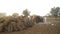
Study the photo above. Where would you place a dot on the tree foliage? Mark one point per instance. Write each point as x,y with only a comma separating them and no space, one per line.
15,14
26,12
55,11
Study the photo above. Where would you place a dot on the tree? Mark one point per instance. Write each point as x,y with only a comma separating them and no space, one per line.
15,14
55,11
26,12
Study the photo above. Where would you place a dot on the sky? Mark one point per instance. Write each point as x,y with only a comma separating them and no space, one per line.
38,7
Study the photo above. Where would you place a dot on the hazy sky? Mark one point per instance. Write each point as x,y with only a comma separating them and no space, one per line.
39,7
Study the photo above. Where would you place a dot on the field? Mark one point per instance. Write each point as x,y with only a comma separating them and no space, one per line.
40,28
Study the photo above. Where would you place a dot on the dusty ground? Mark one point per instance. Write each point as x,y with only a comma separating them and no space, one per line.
39,29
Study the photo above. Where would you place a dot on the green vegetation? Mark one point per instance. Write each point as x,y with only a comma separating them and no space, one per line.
55,12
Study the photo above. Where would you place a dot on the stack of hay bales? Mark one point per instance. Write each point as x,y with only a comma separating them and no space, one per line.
10,23
37,19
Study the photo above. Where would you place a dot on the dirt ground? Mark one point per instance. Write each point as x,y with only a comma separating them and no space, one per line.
39,29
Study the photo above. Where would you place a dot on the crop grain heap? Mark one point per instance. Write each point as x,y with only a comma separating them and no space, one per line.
10,23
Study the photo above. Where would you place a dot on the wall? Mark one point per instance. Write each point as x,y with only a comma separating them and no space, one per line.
52,19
